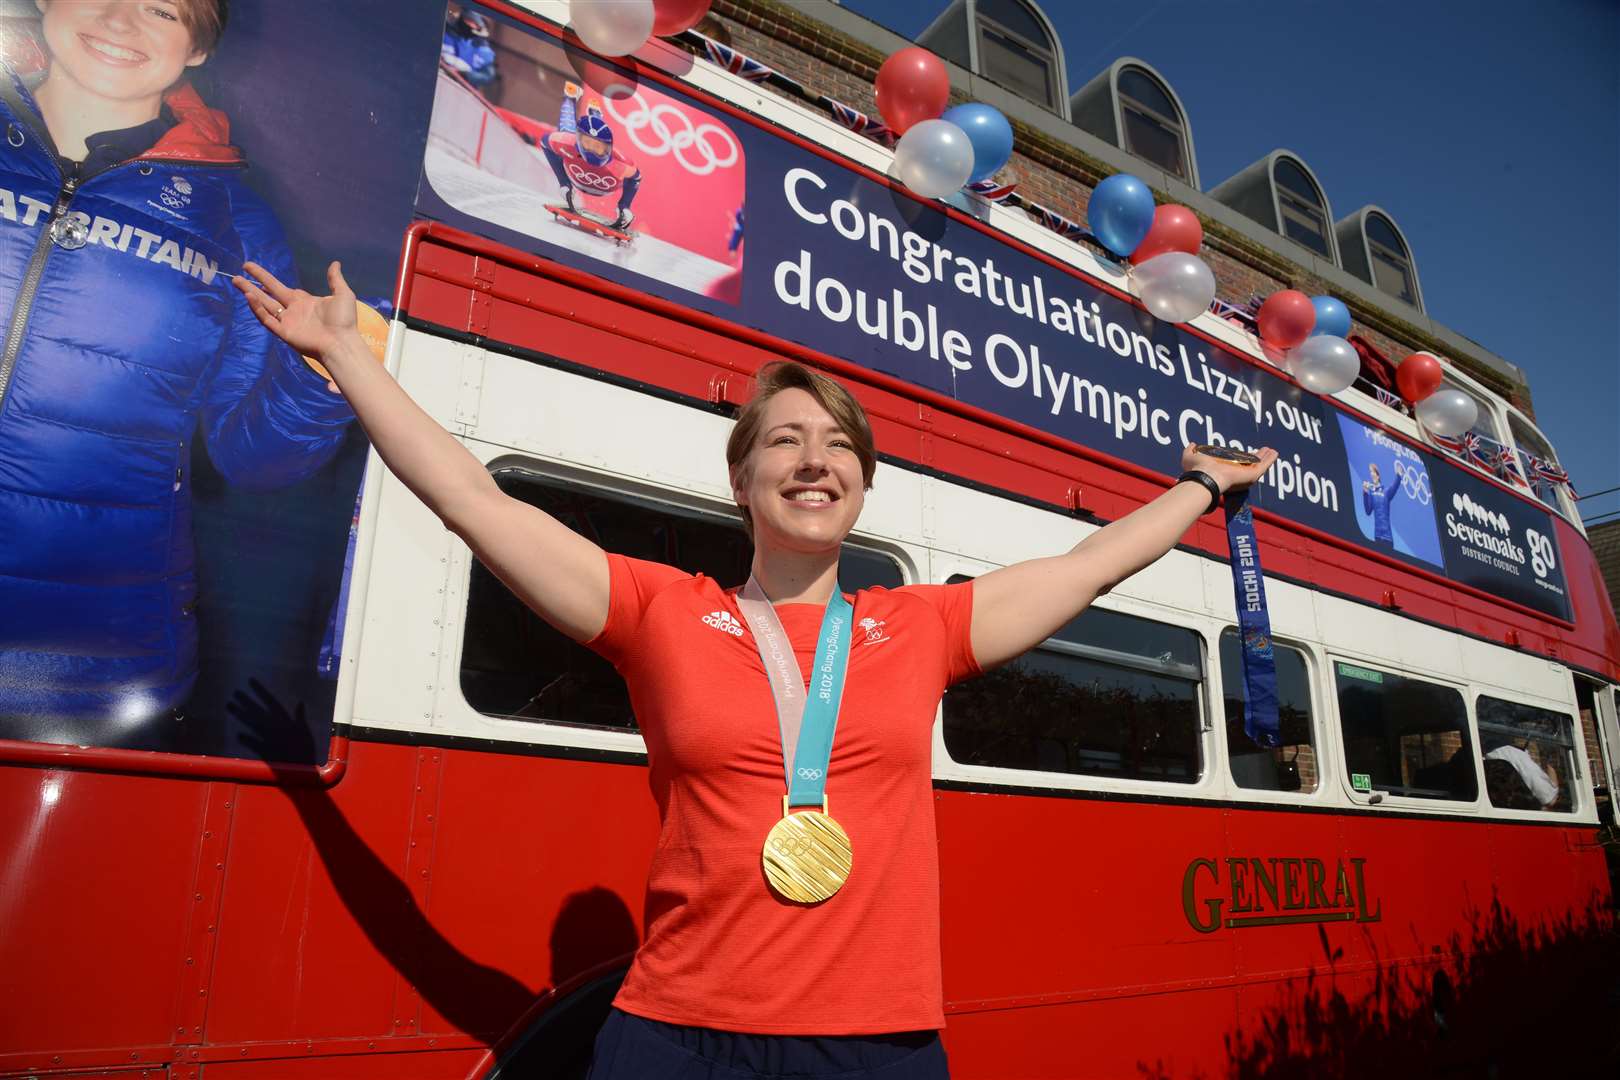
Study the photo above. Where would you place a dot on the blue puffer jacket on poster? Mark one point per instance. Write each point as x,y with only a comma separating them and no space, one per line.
123,342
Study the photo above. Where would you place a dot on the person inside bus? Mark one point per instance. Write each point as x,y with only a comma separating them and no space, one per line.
733,980
1515,779
128,213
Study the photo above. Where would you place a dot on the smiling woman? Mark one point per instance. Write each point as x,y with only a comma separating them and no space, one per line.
123,346
750,851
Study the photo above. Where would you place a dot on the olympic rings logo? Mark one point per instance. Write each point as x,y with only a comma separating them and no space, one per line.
796,847
591,180
809,774
699,149
1416,485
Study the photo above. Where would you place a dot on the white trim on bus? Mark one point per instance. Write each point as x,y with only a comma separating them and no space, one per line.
408,613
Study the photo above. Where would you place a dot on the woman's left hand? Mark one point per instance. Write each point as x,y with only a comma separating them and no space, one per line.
1230,475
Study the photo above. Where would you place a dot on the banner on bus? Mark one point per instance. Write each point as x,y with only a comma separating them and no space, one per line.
787,241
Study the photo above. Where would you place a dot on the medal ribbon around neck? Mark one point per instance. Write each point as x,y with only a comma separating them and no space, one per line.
807,855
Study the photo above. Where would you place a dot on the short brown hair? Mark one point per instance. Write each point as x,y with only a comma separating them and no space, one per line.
205,19
780,375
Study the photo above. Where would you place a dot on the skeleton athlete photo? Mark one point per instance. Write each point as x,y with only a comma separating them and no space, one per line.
599,183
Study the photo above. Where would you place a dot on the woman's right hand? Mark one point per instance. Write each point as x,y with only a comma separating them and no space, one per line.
314,325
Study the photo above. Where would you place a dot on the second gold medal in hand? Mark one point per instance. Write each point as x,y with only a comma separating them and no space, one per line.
807,855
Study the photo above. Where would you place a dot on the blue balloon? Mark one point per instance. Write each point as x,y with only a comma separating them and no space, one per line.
989,134
1120,213
1332,317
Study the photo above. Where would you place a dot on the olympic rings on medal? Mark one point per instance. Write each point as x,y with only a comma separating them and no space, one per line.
809,774
697,140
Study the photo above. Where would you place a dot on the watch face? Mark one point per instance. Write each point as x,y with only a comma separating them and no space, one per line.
1226,453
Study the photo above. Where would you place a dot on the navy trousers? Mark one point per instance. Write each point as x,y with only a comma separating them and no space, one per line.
635,1048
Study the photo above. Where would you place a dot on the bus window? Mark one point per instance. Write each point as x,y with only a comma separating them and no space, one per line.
1404,736
1529,755
1291,766
1107,695
516,667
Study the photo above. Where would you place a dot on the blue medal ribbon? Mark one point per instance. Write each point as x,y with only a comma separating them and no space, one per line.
1260,720
807,779
808,716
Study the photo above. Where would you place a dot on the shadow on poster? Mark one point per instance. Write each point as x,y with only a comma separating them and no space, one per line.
177,488
1392,493
573,153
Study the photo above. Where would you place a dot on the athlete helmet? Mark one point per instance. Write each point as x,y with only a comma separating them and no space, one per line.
592,126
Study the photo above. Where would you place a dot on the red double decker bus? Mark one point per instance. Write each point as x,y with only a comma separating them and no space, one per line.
399,827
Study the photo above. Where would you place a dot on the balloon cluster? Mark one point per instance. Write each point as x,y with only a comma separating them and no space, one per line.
1444,411
1309,334
620,27
1161,242
939,150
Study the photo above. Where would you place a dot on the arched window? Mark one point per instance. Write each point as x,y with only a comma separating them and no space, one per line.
1302,211
1372,248
1152,125
1017,50
1391,265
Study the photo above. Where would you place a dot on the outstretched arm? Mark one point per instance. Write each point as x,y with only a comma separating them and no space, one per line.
556,571
1019,606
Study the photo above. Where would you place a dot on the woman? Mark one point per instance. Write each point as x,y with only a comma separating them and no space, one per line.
124,213
734,979
1376,501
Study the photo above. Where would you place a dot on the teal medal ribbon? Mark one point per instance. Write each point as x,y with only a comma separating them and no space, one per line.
808,717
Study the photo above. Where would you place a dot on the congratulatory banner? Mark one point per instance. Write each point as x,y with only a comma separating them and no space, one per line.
855,269
810,251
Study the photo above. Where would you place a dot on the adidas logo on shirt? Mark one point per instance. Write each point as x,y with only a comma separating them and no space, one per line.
722,620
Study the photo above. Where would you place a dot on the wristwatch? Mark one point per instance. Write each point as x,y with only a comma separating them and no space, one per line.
1199,476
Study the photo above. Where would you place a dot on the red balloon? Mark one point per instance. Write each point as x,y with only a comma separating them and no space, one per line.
912,86
1418,376
671,17
1175,228
1286,318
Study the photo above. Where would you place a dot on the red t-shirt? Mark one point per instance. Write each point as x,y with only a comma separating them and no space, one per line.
722,950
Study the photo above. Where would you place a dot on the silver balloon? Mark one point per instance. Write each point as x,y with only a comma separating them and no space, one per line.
1447,412
1325,364
612,27
934,158
1175,286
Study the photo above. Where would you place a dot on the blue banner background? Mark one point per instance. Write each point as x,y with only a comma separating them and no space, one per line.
856,269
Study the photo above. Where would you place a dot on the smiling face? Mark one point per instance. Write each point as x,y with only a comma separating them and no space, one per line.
802,481
123,51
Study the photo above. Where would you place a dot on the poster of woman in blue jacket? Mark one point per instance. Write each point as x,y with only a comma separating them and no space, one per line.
131,375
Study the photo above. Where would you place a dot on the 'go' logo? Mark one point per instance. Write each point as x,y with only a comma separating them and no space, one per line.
1541,552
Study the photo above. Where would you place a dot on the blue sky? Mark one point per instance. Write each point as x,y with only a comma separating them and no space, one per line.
1490,130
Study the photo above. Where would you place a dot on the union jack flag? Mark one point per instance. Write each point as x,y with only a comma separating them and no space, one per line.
1544,474
859,122
992,190
1394,401
735,62
1474,448
1242,314
1058,223
1450,444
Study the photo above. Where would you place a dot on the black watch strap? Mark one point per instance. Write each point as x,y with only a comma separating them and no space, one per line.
1198,476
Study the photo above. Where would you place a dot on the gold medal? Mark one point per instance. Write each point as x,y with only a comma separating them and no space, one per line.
807,855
